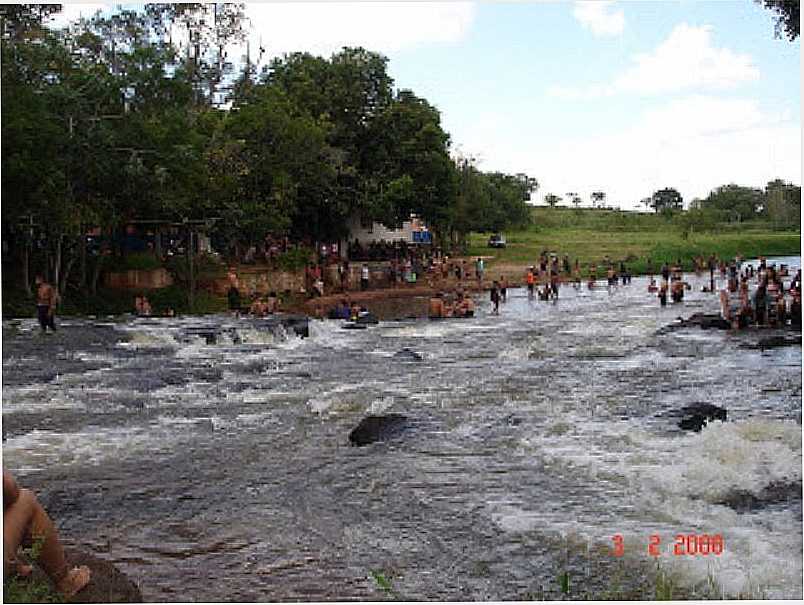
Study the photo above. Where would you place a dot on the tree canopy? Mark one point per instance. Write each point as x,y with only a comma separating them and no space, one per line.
147,114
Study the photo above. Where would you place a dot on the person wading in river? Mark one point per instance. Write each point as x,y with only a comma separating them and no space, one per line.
495,297
46,299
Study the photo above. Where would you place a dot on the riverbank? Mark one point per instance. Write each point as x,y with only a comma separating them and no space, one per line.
636,246
619,242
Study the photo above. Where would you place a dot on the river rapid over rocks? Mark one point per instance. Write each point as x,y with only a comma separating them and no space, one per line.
224,471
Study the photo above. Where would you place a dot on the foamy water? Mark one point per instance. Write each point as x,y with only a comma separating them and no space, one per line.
550,422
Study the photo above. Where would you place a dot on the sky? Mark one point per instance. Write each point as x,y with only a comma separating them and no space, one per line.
620,97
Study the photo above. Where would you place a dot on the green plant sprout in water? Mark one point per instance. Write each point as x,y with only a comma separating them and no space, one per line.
564,582
383,583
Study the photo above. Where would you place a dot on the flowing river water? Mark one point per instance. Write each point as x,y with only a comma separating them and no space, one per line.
221,472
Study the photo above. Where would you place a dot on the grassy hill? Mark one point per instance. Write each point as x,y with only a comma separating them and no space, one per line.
591,234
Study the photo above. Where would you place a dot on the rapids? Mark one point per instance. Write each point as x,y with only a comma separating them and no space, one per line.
221,472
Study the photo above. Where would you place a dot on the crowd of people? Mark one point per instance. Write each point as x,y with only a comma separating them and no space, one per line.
770,304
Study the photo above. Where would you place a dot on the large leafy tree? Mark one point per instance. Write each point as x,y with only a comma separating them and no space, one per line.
782,204
666,200
735,201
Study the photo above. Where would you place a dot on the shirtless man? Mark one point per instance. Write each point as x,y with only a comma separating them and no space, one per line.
46,298
436,309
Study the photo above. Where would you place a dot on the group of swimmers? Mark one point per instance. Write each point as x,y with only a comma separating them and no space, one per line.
551,271
458,305
263,306
672,282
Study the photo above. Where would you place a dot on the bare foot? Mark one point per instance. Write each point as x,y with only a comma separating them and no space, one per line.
75,580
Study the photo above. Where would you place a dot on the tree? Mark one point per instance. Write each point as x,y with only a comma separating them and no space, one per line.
598,198
666,200
552,199
574,198
738,202
782,204
788,17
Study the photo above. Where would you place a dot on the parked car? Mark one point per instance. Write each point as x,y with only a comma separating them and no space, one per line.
497,241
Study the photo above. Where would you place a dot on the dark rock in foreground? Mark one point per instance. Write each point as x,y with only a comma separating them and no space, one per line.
378,428
776,492
407,354
107,584
694,417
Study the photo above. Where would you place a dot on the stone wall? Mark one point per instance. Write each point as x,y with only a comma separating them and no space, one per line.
139,279
262,282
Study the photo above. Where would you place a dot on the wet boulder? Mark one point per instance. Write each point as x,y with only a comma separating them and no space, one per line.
705,321
773,342
776,492
407,354
367,319
378,428
694,417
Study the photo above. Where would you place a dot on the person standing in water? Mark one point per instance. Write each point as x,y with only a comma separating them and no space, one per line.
531,280
495,297
479,268
503,288
46,299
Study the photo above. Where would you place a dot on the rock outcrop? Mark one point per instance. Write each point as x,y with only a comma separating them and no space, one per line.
378,428
694,417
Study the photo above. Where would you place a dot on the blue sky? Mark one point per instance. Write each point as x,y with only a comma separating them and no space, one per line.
622,97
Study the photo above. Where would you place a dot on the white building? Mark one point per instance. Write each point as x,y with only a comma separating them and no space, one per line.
413,231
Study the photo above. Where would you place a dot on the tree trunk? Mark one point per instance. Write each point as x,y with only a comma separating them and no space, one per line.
82,242
57,261
190,255
66,275
46,270
26,277
96,272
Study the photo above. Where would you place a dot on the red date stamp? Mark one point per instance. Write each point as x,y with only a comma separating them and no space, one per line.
683,545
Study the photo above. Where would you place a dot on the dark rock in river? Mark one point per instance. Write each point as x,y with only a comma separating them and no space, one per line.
407,354
702,320
776,492
378,428
367,318
107,584
772,343
694,417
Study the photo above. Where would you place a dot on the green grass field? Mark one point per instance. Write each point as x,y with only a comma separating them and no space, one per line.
591,235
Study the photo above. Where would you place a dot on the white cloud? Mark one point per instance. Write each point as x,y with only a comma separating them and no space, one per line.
686,60
325,27
596,17
75,10
693,144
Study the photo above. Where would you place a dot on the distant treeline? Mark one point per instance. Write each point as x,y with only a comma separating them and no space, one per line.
144,115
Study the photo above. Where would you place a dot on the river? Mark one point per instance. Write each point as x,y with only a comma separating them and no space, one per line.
223,472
